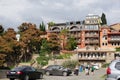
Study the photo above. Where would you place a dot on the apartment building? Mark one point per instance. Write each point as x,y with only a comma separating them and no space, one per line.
96,43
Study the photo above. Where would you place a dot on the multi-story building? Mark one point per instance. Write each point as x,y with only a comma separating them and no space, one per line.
96,43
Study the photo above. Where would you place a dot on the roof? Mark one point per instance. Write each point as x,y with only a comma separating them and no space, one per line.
115,26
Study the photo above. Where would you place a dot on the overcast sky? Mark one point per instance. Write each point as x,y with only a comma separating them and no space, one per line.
15,12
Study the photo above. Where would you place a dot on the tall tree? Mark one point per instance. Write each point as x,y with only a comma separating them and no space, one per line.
63,35
53,42
31,39
103,19
71,44
42,27
1,29
8,41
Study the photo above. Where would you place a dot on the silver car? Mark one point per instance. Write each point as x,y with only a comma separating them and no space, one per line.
113,71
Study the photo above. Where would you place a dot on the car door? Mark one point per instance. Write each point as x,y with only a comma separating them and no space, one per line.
36,73
30,73
57,70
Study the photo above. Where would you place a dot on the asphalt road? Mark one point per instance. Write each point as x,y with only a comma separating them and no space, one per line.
97,76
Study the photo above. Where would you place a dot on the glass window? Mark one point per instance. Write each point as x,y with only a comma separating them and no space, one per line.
117,65
104,31
103,44
106,44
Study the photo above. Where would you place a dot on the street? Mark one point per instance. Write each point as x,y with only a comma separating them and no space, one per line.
97,76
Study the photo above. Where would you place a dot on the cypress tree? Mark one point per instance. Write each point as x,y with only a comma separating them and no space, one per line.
103,18
42,26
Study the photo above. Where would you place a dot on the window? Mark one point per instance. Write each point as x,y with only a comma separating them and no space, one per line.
117,65
104,31
103,44
106,44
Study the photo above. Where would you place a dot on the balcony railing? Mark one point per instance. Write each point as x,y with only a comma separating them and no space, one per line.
114,40
88,58
92,41
91,35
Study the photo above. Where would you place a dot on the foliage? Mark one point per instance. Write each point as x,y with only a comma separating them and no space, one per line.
103,18
42,27
105,65
71,44
51,24
42,60
1,29
54,43
66,55
70,64
63,36
117,48
63,56
14,51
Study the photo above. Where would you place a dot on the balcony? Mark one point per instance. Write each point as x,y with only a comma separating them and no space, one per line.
74,35
91,41
92,58
92,35
114,39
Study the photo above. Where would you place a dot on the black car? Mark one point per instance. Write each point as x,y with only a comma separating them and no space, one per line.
57,70
24,73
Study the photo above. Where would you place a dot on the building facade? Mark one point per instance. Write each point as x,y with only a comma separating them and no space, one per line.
95,43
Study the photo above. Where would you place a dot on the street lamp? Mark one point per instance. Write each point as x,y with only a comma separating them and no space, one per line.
18,37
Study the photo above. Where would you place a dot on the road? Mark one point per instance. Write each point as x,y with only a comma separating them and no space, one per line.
97,76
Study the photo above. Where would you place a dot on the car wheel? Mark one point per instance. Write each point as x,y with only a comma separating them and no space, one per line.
64,73
47,73
12,79
26,77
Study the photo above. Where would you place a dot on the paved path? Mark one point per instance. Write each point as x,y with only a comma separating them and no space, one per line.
97,76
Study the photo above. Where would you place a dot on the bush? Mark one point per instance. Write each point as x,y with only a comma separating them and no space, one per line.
70,64
42,60
105,65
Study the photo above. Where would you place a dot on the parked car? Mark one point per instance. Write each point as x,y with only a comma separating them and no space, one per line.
24,73
57,70
96,66
113,71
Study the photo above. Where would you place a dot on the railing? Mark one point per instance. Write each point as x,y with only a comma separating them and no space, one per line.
92,41
91,35
114,40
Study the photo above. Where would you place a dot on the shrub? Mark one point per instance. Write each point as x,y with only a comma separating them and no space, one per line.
105,65
70,64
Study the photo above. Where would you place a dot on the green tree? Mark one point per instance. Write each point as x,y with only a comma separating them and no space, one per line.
103,19
51,24
71,44
1,29
118,49
63,35
42,27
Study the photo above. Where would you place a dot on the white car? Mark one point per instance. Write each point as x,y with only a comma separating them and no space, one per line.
96,66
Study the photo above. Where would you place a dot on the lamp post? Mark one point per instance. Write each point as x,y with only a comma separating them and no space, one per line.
18,37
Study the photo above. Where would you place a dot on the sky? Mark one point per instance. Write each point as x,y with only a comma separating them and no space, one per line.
14,12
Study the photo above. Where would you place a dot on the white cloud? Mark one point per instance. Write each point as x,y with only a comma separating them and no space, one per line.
14,12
